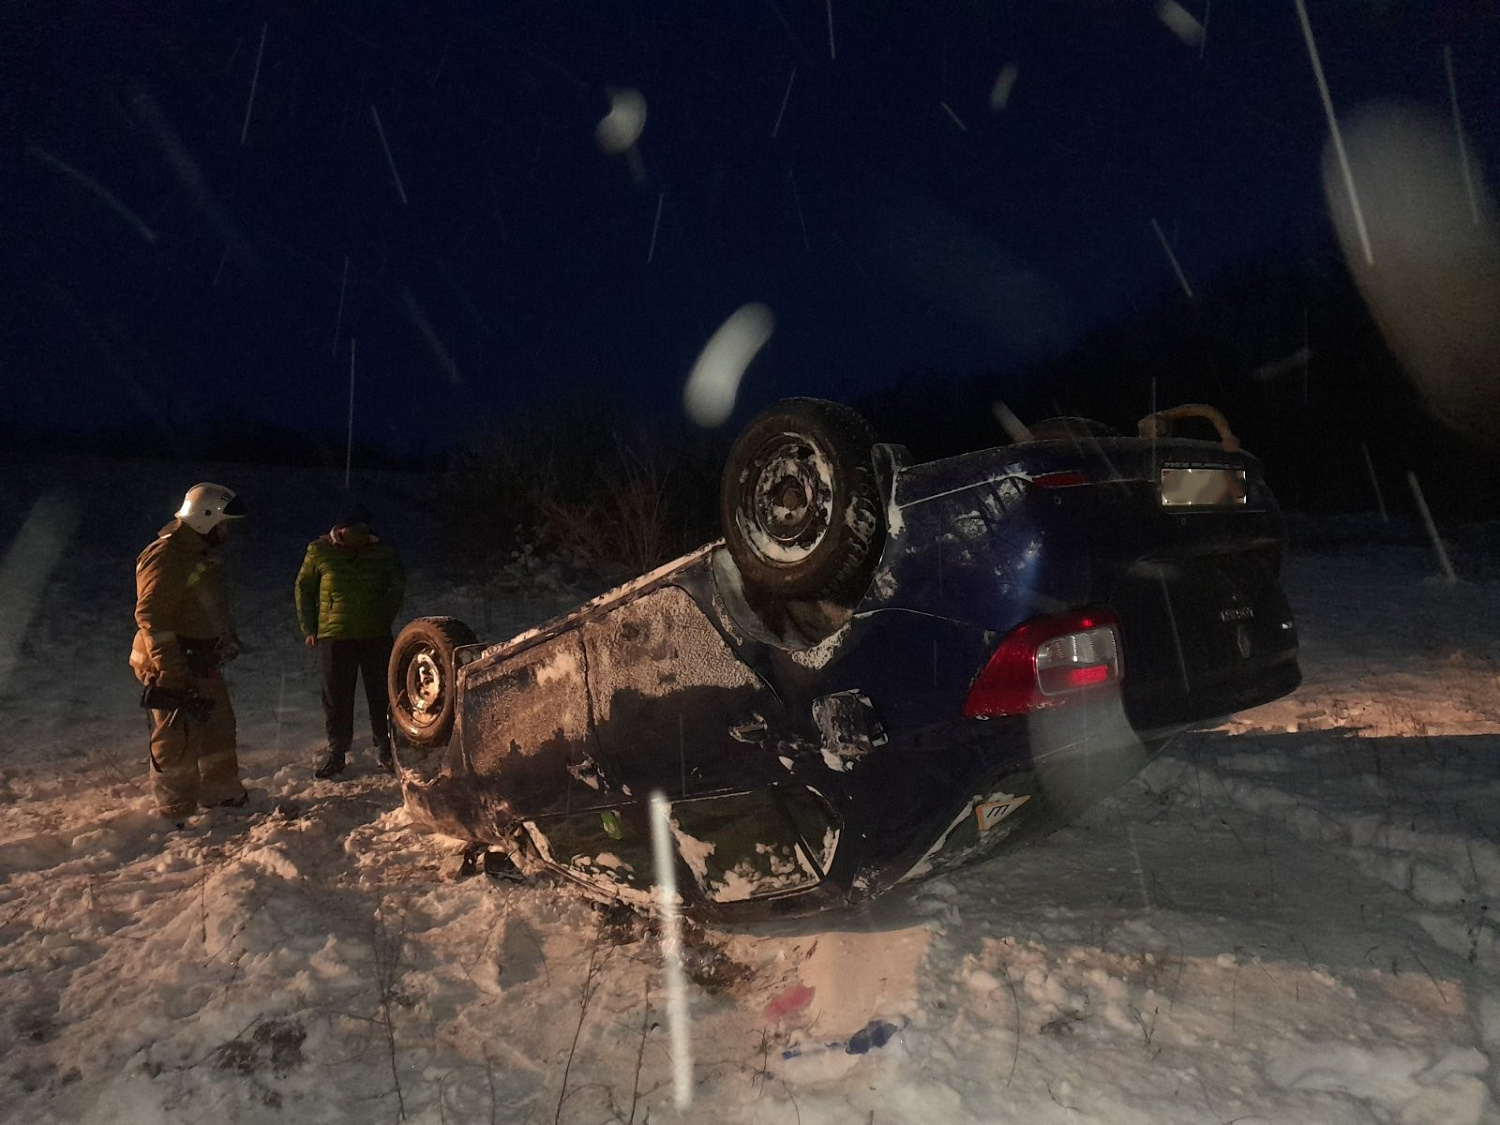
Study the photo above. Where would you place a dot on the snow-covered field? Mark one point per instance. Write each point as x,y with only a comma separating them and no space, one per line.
1283,920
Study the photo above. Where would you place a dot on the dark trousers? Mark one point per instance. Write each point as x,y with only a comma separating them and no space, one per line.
343,661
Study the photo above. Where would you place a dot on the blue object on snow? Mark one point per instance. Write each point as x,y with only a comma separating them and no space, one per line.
876,1033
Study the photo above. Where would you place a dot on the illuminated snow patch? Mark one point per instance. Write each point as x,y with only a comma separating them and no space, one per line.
830,847
26,570
715,379
273,861
563,666
694,852
832,760
623,124
895,522
923,866
822,652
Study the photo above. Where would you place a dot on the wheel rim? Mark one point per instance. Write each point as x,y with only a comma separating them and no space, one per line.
424,687
791,503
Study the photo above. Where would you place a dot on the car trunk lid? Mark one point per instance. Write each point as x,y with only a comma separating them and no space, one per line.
1180,538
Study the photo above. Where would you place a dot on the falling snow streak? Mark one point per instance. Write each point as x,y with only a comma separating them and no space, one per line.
1375,483
189,173
349,445
148,403
1140,872
831,53
254,82
424,326
536,157
224,257
1014,428
234,54
651,251
1171,257
678,1029
27,568
389,159
98,190
949,111
338,321
1182,668
1458,128
1432,531
1333,129
464,299
791,178
786,97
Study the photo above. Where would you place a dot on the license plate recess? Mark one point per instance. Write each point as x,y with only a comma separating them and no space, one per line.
1193,486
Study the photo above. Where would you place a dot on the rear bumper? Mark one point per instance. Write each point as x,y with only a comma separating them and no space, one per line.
1165,704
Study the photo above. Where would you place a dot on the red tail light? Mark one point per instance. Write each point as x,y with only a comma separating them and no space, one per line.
1059,480
1045,662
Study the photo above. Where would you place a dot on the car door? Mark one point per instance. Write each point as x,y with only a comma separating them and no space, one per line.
527,731
675,708
678,711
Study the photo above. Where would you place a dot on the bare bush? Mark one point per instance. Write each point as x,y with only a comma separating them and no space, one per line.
580,484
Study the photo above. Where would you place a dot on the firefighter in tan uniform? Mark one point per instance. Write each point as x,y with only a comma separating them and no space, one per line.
184,634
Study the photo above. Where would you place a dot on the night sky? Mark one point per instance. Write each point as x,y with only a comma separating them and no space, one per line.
205,204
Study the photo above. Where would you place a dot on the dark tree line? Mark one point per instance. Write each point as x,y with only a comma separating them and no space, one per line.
1288,352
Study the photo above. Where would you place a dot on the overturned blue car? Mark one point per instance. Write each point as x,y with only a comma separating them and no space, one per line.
883,670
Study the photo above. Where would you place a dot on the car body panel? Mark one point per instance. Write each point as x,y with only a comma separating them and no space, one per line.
821,757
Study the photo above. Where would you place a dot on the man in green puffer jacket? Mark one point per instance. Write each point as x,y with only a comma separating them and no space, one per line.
348,593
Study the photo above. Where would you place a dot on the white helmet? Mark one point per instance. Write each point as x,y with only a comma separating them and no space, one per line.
207,505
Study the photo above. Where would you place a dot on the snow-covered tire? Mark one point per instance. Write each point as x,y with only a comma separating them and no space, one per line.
423,676
800,504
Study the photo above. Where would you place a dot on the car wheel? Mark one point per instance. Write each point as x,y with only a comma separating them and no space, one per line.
800,504
422,676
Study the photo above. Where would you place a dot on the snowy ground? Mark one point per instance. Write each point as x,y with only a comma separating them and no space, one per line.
1284,920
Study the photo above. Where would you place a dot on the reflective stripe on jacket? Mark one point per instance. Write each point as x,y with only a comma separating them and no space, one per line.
180,592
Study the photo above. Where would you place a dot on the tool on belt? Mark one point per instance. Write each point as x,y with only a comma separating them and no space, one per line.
195,707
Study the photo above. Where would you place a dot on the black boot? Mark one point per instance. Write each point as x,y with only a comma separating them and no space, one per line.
332,766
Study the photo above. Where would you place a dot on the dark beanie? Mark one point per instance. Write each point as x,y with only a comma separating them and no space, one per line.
351,514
